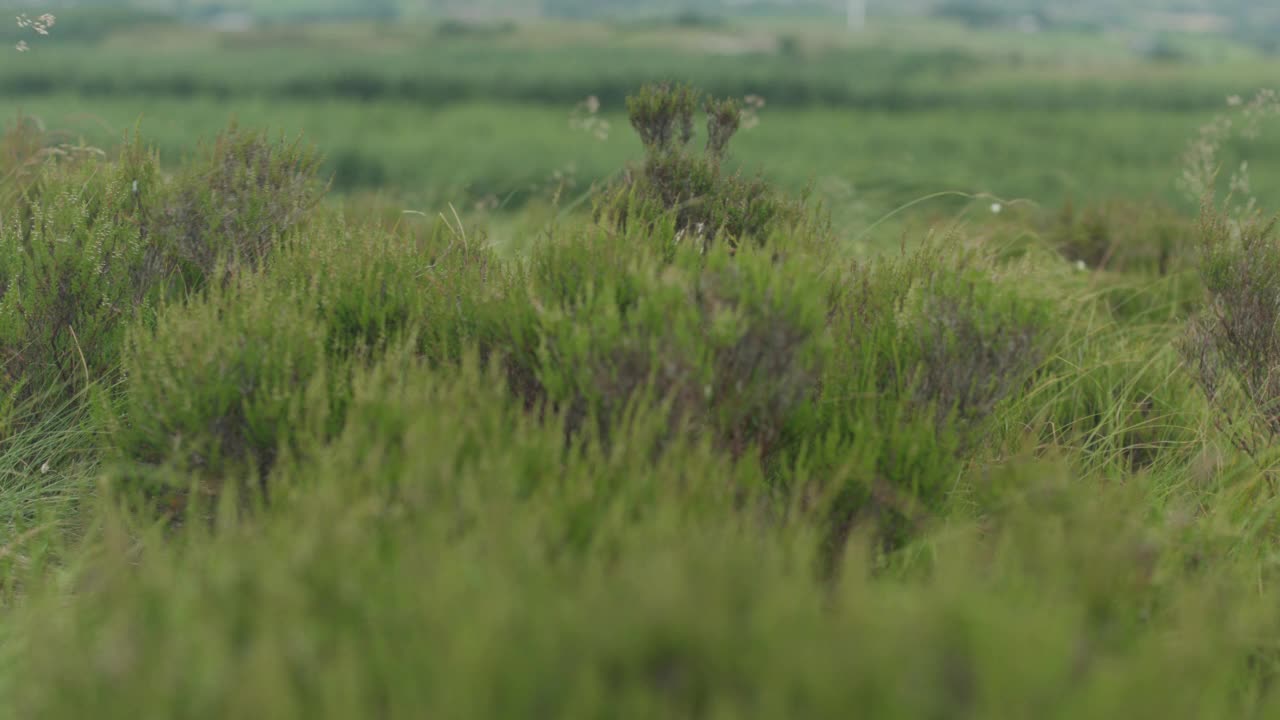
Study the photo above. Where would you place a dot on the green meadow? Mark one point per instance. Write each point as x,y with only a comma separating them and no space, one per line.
541,369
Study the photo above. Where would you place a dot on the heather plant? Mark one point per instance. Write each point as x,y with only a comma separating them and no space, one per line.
235,205
264,359
1233,346
705,200
90,247
939,327
871,390
443,288
218,389
75,269
977,343
927,346
734,344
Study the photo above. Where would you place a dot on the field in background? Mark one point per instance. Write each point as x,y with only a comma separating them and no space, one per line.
478,114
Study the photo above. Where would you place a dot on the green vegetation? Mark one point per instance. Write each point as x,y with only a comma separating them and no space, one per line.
872,122
930,397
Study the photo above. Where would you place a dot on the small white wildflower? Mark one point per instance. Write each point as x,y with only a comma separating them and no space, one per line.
22,46
585,117
44,469
1235,101
135,187
749,117
1081,266
996,208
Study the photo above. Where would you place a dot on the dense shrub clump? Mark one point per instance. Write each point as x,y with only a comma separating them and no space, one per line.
91,247
705,201
1233,347
74,270
735,345
927,346
235,205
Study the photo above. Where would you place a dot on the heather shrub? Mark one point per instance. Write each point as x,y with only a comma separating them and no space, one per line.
937,329
927,347
75,269
260,364
370,287
738,349
236,204
734,344
90,246
219,387
704,200
864,393
1233,347
976,344
417,436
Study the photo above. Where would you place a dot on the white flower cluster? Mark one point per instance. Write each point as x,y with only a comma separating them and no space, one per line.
586,118
39,26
